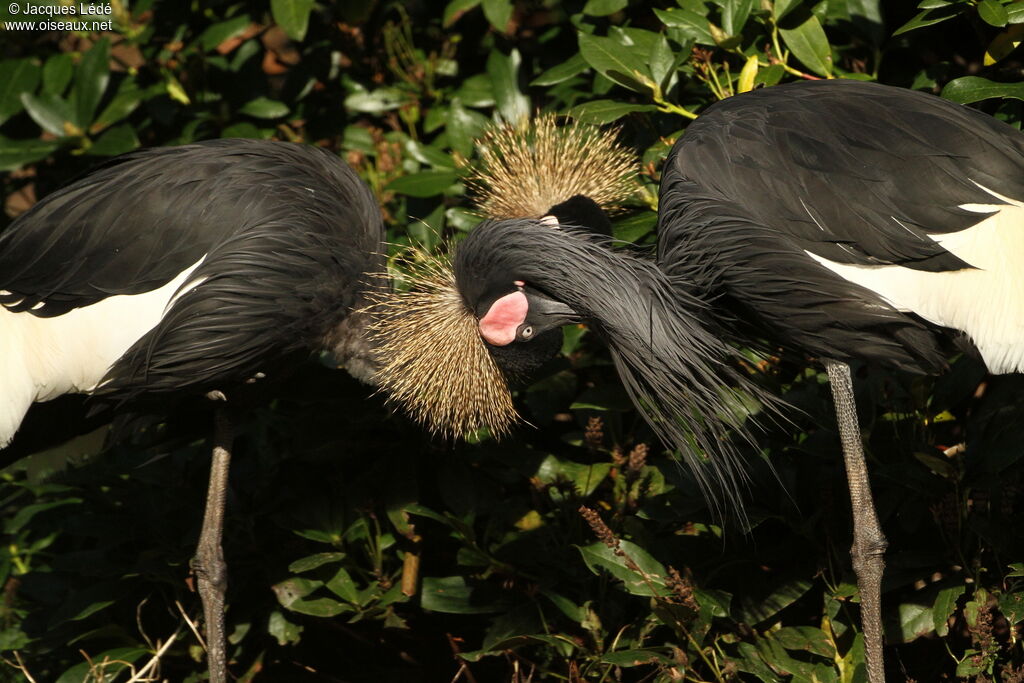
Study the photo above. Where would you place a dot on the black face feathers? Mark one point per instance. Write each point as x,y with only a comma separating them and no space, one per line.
672,364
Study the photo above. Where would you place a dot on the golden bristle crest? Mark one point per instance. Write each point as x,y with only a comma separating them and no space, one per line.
527,168
433,361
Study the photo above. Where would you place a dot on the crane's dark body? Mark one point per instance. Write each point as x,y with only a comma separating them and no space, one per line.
818,214
288,236
856,173
239,254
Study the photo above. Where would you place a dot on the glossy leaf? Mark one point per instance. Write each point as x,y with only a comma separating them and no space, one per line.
804,35
17,153
114,141
451,595
503,69
498,13
91,79
292,16
624,65
57,72
601,8
993,13
968,89
20,76
606,111
424,183
647,577
264,108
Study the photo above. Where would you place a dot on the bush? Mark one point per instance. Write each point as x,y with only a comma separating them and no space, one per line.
359,548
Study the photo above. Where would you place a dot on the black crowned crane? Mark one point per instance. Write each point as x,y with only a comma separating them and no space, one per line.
845,220
189,270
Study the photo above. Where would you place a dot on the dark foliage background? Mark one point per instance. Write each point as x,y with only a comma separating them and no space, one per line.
362,550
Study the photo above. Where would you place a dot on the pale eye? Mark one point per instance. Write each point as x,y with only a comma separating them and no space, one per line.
526,332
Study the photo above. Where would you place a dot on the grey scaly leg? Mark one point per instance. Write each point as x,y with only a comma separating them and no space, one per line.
208,565
868,541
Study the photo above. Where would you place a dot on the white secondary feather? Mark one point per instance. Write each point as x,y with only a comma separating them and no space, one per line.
43,358
986,302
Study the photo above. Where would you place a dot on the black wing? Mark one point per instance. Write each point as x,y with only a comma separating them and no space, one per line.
286,234
853,172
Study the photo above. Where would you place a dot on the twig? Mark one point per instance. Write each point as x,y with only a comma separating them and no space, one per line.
191,624
138,677
20,666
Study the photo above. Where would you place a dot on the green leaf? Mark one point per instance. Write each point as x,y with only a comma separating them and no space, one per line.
944,607
215,34
639,657
583,477
780,8
455,9
476,91
91,79
114,141
573,66
806,639
17,153
735,14
292,16
427,154
602,8
376,101
293,589
647,578
264,108
626,65
755,609
927,18
1011,605
605,111
634,227
451,595
807,40
1015,12
26,513
49,111
916,621
498,13
342,585
993,13
693,25
124,102
424,183
57,73
464,127
313,561
319,607
512,104
283,630
970,89
20,76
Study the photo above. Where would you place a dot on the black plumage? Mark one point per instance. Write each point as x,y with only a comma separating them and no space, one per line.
288,236
276,249
662,339
854,172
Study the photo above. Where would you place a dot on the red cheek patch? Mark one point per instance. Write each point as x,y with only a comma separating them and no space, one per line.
499,325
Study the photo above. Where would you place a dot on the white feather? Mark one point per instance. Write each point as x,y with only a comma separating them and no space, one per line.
986,302
43,358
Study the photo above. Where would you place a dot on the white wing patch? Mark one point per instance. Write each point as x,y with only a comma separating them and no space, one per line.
986,301
43,358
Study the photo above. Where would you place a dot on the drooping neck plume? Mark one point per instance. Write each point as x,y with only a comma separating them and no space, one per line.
672,364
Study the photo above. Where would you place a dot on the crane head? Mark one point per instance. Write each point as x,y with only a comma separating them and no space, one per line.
526,168
453,343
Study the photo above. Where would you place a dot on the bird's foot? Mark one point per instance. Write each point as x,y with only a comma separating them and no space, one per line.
216,395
